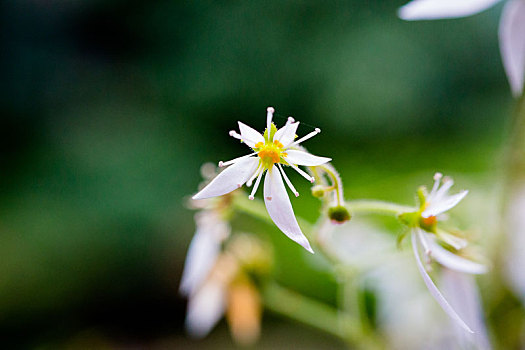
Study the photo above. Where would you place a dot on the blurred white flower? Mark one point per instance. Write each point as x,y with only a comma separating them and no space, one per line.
515,242
423,224
207,304
228,289
511,29
275,147
204,249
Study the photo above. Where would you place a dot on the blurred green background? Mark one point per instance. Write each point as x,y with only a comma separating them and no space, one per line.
109,108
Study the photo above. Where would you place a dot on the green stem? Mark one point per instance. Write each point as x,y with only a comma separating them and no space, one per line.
310,312
377,207
515,158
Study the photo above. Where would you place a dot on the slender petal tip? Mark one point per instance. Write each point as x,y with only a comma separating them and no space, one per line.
232,133
317,130
270,110
437,176
291,120
296,194
221,164
251,198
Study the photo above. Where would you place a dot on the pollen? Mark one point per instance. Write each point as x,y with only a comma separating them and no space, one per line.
269,156
270,152
430,221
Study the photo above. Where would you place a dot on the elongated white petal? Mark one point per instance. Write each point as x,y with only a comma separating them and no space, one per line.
436,9
229,179
452,261
201,257
280,209
203,250
440,206
286,134
249,135
304,158
512,43
205,308
462,293
434,291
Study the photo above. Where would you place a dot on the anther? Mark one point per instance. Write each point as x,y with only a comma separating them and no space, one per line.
221,164
270,110
438,176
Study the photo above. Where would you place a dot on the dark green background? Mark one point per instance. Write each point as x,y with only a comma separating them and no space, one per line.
110,107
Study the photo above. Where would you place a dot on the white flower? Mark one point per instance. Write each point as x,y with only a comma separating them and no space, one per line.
424,234
270,152
511,29
204,249
208,303
229,289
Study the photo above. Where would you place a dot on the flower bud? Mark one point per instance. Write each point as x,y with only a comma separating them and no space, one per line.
338,214
318,191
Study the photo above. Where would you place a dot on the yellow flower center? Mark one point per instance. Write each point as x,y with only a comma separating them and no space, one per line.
270,153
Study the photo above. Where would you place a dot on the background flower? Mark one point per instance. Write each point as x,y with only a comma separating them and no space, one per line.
511,30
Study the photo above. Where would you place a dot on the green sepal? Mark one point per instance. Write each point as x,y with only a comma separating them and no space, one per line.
422,196
410,219
273,130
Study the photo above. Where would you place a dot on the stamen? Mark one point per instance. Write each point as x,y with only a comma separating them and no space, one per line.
288,182
269,117
290,120
251,196
306,137
303,174
249,182
235,160
437,180
424,242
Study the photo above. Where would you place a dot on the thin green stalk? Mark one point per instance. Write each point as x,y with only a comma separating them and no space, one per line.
377,207
515,153
310,312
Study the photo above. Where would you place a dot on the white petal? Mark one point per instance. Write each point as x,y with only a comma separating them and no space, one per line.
205,308
436,9
452,261
250,136
463,295
229,179
280,209
454,241
203,251
201,257
512,43
305,158
440,206
286,134
434,291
